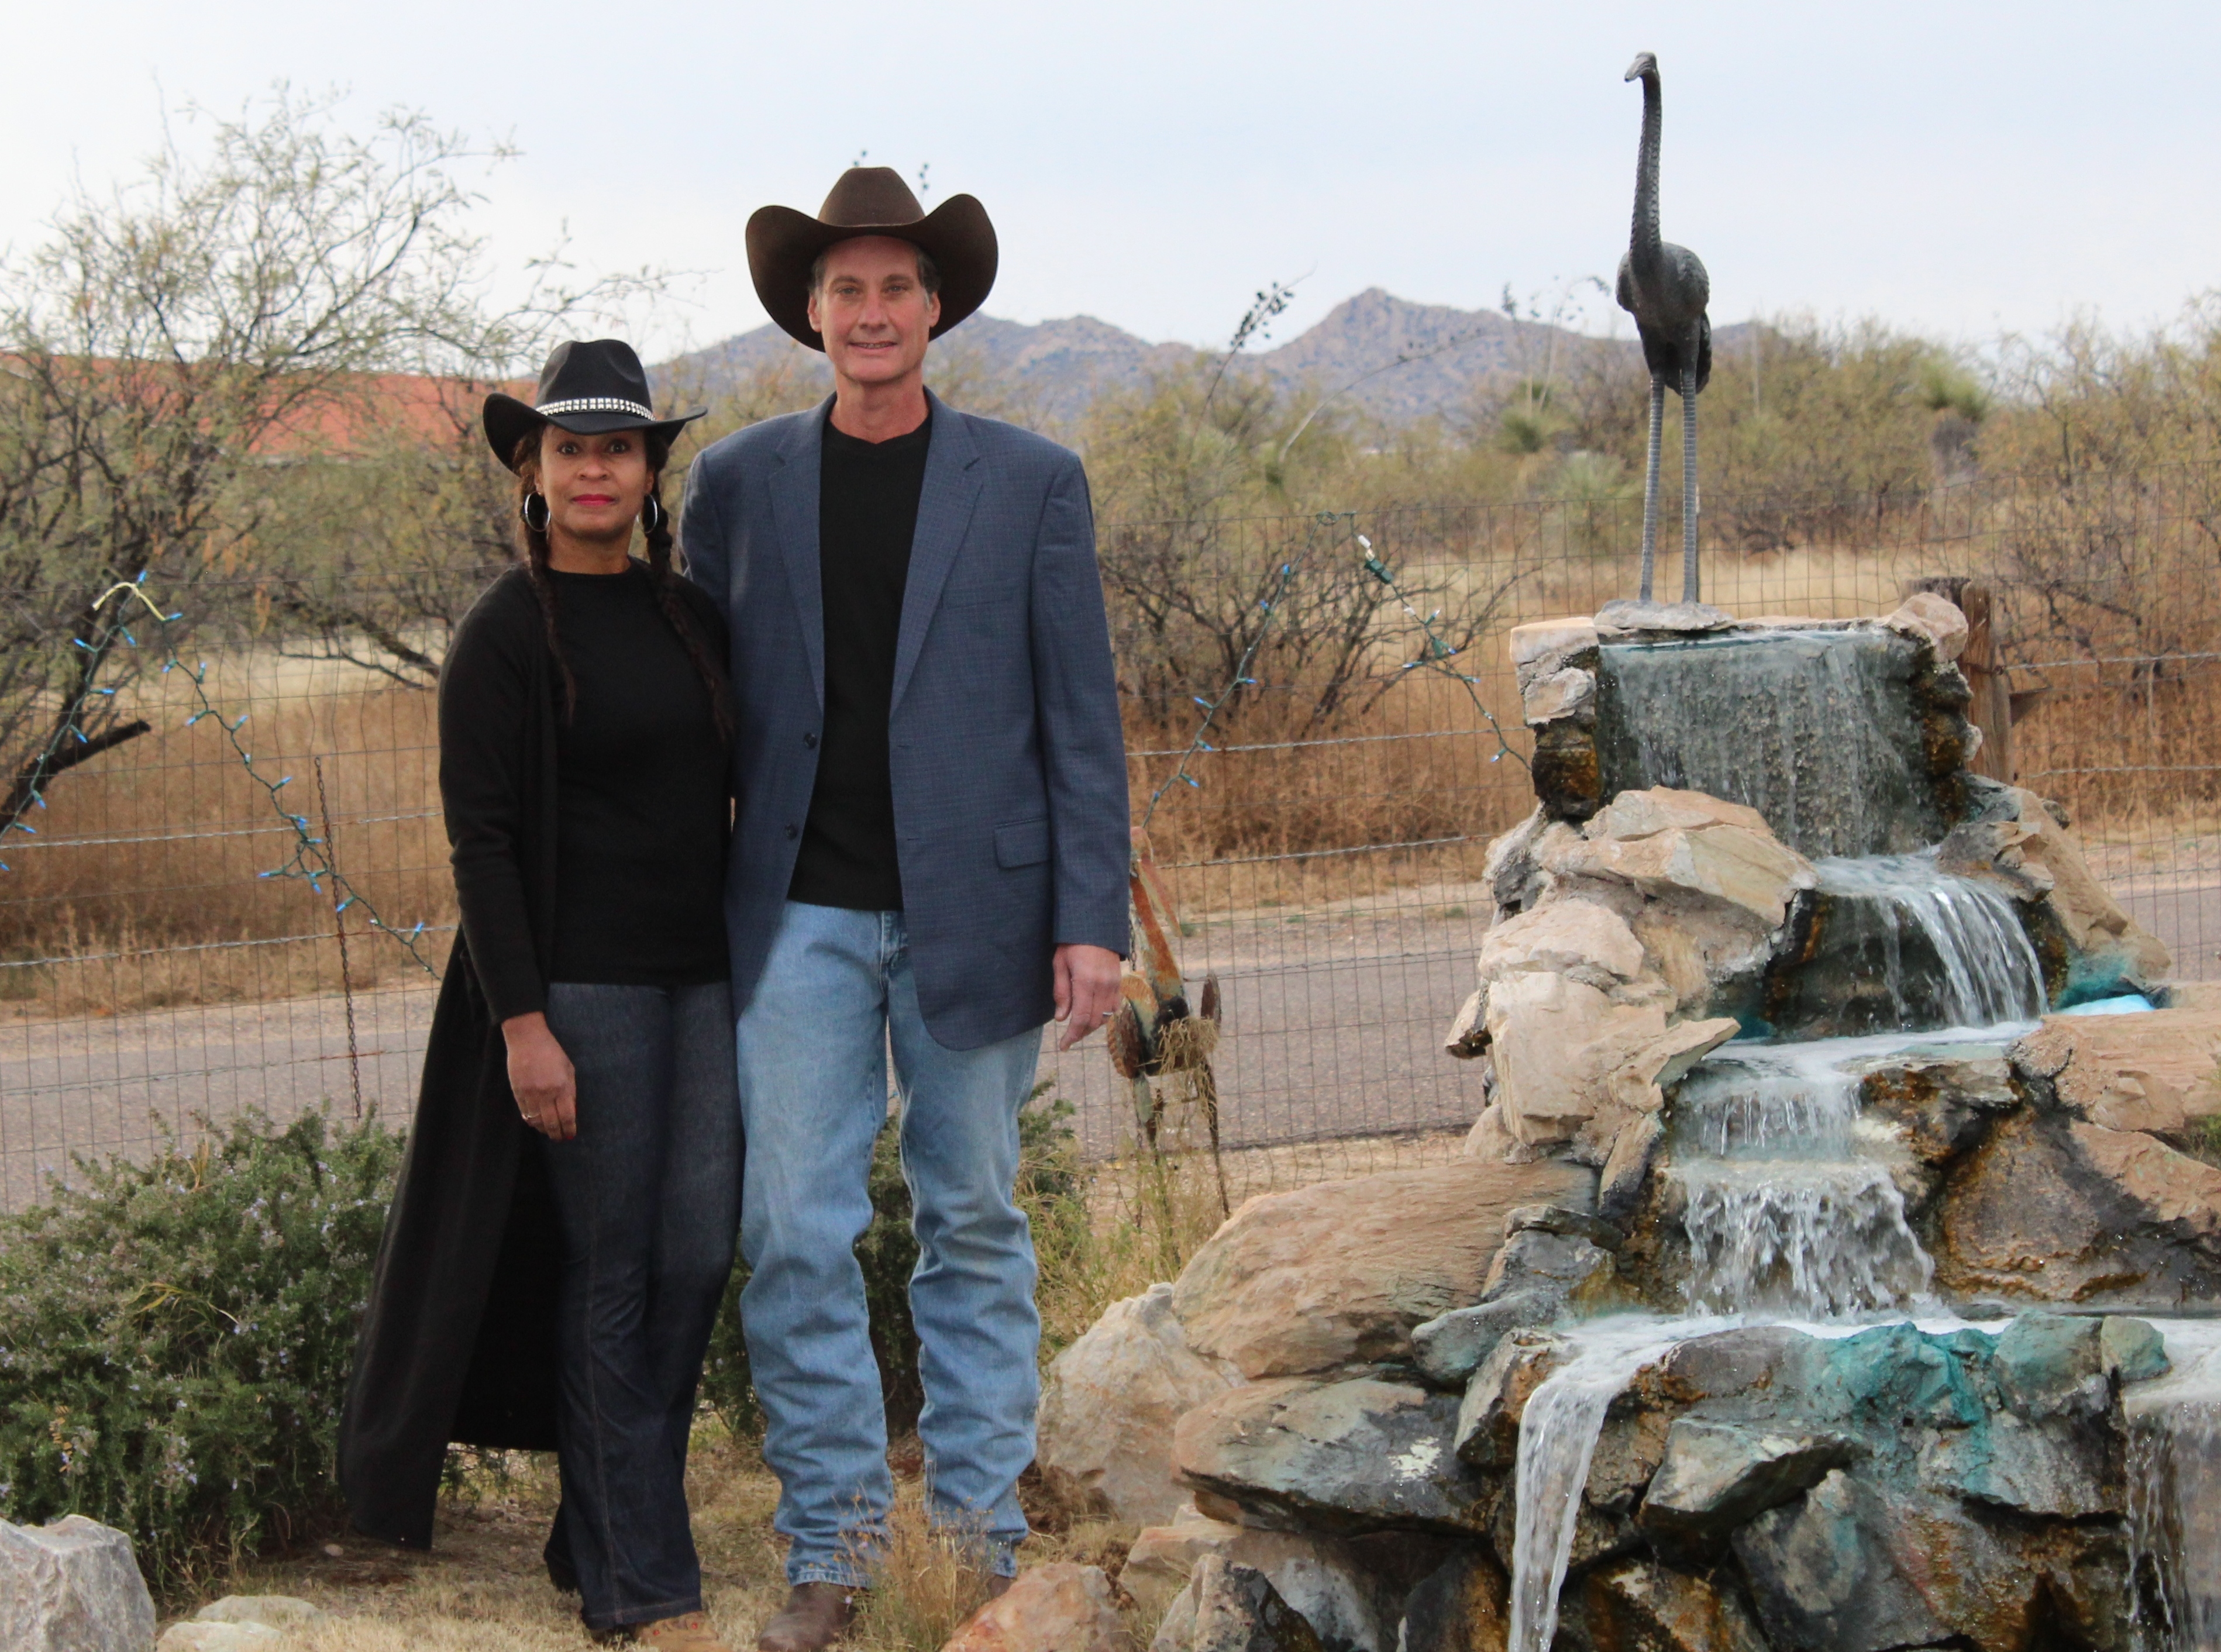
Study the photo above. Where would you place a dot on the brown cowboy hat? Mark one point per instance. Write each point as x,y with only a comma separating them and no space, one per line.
871,200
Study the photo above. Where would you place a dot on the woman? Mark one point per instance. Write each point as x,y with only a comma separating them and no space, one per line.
564,1224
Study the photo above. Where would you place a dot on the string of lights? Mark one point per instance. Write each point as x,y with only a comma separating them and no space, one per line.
1437,653
1242,679
311,861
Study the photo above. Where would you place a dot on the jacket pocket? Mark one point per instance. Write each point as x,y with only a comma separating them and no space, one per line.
1022,843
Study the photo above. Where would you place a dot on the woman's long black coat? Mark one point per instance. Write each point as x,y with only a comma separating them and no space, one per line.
457,1343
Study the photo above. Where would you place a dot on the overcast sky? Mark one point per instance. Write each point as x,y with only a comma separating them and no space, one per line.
1962,168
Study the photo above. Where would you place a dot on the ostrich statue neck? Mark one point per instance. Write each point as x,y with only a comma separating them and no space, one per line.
1644,246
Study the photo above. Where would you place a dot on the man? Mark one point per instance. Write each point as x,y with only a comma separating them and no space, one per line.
930,856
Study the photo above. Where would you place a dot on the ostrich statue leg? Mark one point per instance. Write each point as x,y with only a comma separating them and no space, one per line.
1688,479
1650,481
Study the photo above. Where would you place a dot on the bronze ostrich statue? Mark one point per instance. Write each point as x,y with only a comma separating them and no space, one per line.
1665,288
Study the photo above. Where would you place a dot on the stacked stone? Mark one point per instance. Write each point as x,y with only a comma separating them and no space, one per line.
1350,1485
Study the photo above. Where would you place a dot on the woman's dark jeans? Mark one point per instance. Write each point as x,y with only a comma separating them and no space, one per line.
647,1196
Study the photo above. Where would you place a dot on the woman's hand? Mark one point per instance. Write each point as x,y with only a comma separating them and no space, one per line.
540,1077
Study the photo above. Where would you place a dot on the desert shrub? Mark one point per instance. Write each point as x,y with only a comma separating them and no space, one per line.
2202,1139
1050,1190
176,1337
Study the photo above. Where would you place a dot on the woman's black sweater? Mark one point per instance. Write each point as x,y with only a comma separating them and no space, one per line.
642,790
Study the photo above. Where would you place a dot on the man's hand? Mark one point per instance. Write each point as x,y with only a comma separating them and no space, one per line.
540,1077
1086,990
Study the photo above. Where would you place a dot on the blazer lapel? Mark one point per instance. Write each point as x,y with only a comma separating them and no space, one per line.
794,493
951,487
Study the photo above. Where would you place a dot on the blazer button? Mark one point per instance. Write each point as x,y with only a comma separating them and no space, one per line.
810,740
792,830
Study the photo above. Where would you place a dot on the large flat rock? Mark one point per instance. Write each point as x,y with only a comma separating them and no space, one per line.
1353,1456
1342,1273
2151,1072
1109,1404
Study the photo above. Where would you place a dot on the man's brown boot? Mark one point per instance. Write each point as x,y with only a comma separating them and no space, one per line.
689,1632
816,1615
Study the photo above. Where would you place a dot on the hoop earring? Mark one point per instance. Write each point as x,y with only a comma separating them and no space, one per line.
524,512
652,515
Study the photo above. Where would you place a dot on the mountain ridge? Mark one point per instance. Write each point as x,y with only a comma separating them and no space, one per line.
1062,364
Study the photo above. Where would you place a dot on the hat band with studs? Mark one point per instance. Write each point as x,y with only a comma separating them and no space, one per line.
594,404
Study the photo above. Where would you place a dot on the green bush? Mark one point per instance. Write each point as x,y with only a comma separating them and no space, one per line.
176,1336
1050,1190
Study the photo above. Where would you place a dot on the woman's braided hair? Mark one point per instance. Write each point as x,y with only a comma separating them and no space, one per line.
663,578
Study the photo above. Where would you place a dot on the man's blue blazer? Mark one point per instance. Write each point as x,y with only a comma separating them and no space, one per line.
1008,758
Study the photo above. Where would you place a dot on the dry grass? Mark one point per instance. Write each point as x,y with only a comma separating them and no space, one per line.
1151,1212
143,886
483,1587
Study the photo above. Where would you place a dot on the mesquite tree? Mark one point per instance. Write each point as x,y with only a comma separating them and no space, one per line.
181,355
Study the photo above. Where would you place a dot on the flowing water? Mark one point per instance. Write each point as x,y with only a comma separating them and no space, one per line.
1948,951
1816,731
1787,1216
1784,1213
1558,1435
2174,1492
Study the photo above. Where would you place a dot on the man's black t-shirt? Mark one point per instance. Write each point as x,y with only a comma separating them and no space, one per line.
867,516
642,790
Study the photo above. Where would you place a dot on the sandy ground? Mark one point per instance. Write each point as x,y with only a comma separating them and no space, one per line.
484,1589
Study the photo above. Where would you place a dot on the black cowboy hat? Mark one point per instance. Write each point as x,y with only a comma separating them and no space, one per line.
871,200
588,388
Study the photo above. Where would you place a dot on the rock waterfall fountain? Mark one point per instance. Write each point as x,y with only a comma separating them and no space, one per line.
1843,1259
1789,1207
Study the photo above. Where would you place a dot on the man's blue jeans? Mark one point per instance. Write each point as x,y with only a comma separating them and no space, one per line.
646,1196
835,994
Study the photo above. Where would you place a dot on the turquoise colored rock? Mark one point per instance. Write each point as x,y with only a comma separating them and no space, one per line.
1898,1372
2059,1470
2133,1351
2053,1363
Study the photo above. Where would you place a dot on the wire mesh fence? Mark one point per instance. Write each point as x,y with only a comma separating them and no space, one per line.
1310,740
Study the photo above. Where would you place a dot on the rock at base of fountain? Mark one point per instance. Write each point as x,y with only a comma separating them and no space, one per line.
1638,1603
1110,1403
1229,1608
1339,1273
1351,1457
1713,1477
1459,1608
